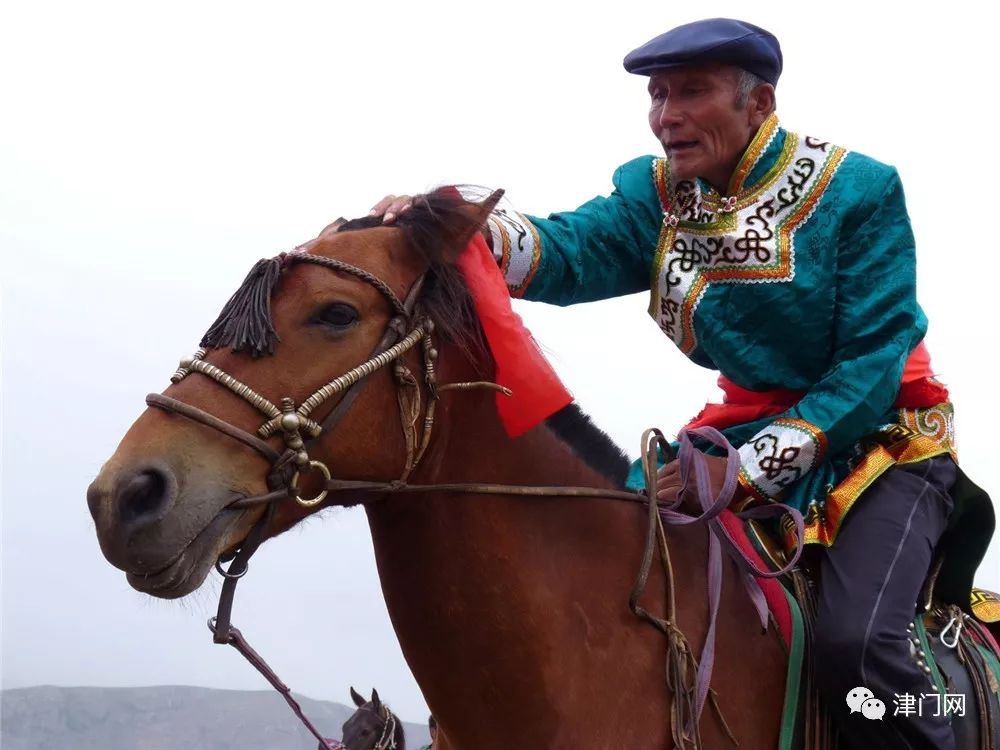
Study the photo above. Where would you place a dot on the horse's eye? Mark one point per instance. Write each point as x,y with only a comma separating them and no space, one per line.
337,315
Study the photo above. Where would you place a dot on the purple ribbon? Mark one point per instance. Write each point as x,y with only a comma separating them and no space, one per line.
691,459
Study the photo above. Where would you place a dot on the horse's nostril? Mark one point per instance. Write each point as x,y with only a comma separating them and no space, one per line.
142,496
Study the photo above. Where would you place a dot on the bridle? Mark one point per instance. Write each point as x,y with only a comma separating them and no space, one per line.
387,740
295,423
687,679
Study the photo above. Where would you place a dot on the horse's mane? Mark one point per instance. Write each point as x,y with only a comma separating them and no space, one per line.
444,297
590,443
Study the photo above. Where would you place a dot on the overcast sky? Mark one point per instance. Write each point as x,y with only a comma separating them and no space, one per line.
151,152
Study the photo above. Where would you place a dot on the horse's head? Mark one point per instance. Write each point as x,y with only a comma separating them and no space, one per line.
271,397
373,726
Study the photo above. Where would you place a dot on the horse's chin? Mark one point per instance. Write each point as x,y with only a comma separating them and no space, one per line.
189,569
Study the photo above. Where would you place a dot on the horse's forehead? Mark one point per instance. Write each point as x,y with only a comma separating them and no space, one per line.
380,251
374,246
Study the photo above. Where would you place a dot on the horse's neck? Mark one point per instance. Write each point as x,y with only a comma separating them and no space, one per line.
466,576
471,444
511,611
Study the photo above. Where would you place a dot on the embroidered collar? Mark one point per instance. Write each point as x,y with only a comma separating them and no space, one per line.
764,160
755,151
692,202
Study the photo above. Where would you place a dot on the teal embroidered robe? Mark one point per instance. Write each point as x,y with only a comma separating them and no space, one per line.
803,277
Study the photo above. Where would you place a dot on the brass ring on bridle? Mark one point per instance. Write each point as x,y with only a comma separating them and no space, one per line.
311,502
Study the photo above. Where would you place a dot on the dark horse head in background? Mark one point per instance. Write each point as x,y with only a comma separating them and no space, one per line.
373,726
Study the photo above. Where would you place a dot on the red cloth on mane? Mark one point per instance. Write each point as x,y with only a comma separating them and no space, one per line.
917,390
520,365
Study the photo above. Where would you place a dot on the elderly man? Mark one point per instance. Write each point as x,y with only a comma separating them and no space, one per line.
787,264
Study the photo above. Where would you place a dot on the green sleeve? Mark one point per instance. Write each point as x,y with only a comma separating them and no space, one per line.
602,249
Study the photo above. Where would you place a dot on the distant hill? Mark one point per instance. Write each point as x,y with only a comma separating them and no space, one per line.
166,718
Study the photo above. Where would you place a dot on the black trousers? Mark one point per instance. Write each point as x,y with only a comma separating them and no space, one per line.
870,581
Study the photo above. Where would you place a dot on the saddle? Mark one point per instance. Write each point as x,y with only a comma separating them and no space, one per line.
954,638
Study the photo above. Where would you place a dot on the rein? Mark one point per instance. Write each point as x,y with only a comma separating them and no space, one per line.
687,679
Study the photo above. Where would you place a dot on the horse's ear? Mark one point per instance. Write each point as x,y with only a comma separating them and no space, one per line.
476,215
481,205
459,226
356,697
375,701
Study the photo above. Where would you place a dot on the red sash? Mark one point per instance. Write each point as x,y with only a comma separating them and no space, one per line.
917,390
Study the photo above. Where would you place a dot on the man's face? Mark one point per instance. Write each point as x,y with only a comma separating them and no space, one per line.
695,114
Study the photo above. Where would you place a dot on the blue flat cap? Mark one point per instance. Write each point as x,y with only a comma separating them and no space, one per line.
724,41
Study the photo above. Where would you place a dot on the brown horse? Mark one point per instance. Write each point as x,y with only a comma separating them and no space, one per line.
511,611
